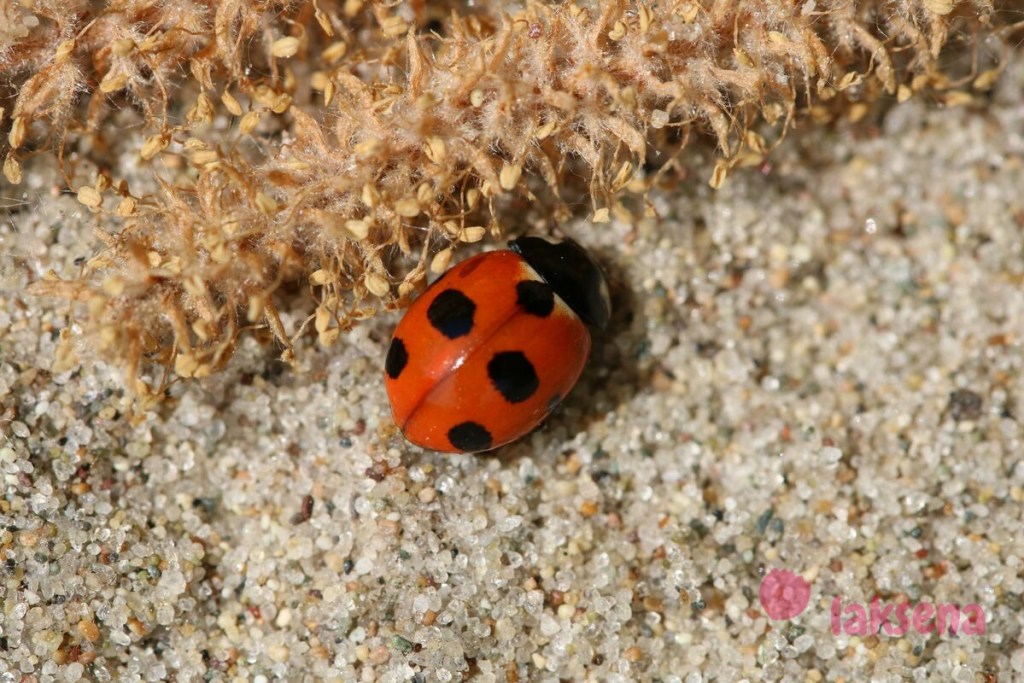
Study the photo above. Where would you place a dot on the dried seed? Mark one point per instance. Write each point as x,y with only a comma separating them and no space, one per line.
154,145
319,277
370,196
230,103
659,118
323,19
352,7
122,47
17,134
281,103
440,262
857,111
623,177
377,284
601,215
322,319
473,234
940,7
12,170
958,98
545,130
334,52
126,207
359,229
487,188
113,81
849,80
755,142
476,98
393,26
64,50
435,149
646,16
408,207
618,31
255,309
285,47
249,122
688,12
328,336
510,174
185,364
986,79
204,157
424,193
319,81
88,196
720,173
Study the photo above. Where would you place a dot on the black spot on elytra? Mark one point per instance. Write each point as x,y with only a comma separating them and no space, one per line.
535,297
512,374
398,356
451,313
470,437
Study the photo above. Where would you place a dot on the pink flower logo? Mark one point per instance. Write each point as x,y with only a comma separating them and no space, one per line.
784,594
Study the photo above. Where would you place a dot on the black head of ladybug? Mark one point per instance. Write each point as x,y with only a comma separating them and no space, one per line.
572,273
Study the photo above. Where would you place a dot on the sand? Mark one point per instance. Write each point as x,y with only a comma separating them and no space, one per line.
816,368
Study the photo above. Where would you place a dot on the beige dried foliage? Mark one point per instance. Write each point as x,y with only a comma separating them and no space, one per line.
353,146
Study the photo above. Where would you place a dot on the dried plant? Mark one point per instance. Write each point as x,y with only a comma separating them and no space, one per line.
317,142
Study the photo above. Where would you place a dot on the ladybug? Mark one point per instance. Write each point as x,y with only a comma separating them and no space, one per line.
489,350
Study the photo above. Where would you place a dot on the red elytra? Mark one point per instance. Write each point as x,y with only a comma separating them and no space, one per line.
489,350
